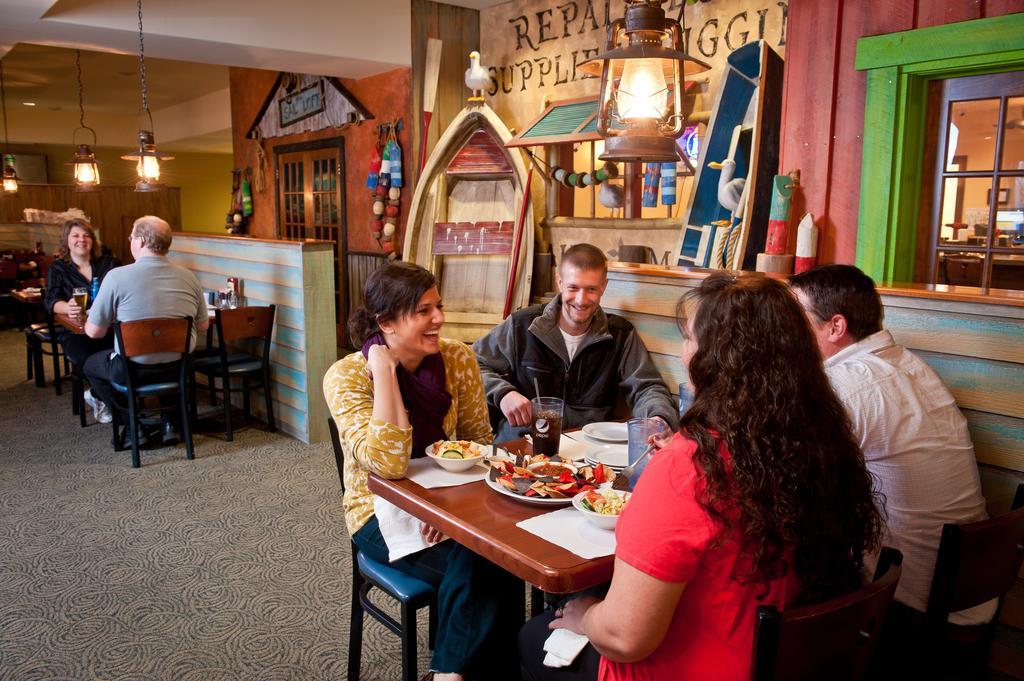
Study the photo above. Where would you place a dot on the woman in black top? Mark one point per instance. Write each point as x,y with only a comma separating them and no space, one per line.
78,262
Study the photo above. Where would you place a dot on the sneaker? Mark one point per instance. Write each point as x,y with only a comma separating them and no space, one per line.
99,408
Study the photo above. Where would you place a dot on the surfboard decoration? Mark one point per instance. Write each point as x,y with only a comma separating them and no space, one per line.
462,219
744,129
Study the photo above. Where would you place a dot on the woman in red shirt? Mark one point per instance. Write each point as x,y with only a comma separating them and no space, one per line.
762,498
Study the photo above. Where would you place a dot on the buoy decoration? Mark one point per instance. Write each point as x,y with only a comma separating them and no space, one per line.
609,171
384,180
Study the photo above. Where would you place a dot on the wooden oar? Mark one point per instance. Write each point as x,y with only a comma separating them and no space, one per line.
517,244
430,72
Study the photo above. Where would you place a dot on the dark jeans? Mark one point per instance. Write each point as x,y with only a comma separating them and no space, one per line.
531,653
78,347
480,606
100,369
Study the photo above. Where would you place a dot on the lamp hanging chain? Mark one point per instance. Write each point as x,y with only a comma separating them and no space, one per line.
81,94
3,105
142,64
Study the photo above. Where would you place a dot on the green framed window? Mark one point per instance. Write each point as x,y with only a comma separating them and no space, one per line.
899,67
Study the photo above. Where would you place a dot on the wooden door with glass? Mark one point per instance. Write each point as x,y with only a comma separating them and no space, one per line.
311,204
977,233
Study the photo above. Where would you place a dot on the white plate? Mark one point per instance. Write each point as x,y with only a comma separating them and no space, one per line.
533,501
607,431
614,456
456,465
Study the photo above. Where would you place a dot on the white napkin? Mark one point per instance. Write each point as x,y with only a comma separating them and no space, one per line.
567,528
427,473
400,530
562,647
572,449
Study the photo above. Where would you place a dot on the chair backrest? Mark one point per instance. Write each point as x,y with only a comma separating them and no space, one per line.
339,457
44,262
8,269
148,336
976,563
245,322
32,283
832,640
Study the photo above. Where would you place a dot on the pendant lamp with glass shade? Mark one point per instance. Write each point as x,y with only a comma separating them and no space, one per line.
86,167
10,176
147,158
642,69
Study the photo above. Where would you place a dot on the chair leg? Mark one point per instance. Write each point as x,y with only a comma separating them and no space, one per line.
246,404
212,389
227,408
355,629
115,423
408,642
28,359
133,423
186,427
269,400
37,360
56,370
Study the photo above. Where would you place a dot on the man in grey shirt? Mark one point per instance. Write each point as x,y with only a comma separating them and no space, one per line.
150,287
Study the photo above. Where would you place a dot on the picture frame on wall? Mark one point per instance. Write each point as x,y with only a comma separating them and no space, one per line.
1003,197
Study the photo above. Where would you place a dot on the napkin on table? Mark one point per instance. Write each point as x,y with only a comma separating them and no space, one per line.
426,473
568,528
400,530
562,647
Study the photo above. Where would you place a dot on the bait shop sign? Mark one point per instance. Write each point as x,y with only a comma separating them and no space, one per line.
533,48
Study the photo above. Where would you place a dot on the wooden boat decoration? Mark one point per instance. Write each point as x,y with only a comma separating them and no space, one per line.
463,223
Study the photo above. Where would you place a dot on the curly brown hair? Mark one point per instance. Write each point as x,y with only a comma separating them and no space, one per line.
64,253
796,477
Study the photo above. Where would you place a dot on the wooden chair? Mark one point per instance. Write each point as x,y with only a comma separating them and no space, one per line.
976,563
144,337
832,640
42,339
232,326
411,594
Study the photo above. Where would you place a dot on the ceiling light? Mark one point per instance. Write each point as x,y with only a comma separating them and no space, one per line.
86,167
147,158
9,175
29,103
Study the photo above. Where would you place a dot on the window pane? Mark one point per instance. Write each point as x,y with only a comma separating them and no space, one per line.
1013,135
972,134
1010,213
961,269
965,211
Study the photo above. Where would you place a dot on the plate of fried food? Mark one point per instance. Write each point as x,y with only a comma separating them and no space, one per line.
542,481
456,455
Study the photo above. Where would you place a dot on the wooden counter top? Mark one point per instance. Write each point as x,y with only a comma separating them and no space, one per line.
253,239
967,294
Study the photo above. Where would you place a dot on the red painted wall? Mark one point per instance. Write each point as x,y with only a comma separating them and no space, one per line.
387,96
823,101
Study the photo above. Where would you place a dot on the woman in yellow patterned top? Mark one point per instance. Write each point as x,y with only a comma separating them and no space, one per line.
406,389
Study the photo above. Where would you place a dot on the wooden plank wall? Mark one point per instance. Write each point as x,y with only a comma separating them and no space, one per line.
823,100
23,236
458,28
112,210
289,275
977,350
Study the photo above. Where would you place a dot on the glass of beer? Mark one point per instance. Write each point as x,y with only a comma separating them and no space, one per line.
81,296
546,425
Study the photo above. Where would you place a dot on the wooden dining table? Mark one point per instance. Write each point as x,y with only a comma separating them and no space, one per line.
484,521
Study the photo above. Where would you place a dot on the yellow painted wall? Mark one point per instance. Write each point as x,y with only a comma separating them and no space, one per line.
204,179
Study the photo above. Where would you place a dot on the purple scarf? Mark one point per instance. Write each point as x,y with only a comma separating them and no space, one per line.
425,397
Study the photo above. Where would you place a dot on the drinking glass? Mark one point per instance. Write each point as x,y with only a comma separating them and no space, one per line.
546,424
639,432
81,296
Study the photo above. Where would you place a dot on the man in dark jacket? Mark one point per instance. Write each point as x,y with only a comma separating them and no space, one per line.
571,349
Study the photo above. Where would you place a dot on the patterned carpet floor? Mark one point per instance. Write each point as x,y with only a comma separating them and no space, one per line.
232,566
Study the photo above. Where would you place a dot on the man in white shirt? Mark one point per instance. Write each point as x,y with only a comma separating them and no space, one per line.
913,436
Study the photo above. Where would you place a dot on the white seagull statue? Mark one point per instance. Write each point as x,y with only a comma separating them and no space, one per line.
477,77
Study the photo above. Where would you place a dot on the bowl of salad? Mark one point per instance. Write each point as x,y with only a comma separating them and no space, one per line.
602,506
456,455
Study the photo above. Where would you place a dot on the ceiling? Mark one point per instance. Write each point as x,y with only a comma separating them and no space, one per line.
188,45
